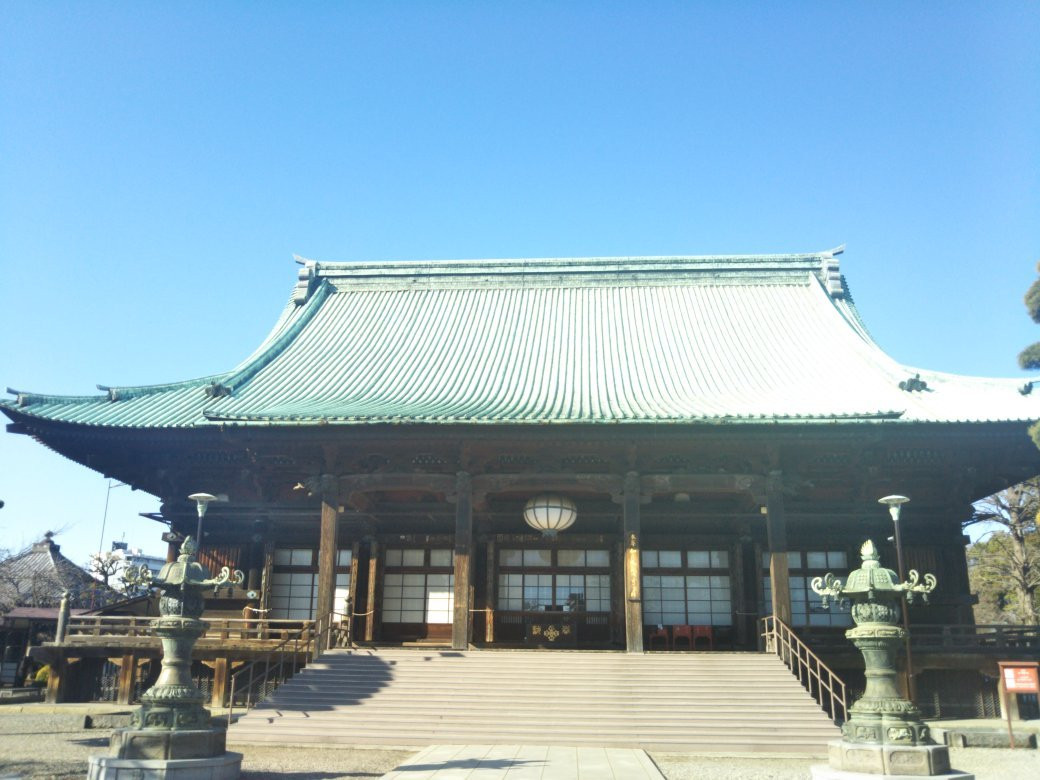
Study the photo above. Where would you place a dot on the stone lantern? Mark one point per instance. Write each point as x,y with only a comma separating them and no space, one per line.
171,736
884,734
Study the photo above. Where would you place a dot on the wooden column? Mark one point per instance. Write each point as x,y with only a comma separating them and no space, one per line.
265,576
632,568
463,561
370,600
218,693
56,681
738,592
490,593
127,668
256,559
327,546
355,551
776,528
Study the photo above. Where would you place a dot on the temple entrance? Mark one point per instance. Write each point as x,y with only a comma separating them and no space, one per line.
418,593
553,597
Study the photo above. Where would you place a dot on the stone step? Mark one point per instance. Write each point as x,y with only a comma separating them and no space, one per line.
727,702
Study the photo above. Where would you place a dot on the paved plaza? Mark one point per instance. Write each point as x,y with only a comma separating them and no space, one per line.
528,762
48,742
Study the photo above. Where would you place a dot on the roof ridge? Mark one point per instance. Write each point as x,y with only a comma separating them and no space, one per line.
591,259
665,270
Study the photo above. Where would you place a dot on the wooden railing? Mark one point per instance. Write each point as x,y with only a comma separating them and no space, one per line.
85,628
817,678
943,637
258,679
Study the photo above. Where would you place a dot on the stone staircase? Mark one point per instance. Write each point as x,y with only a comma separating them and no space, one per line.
717,702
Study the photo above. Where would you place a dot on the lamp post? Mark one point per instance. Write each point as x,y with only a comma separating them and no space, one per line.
202,501
895,505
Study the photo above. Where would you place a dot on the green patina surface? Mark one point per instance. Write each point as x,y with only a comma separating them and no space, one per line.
591,340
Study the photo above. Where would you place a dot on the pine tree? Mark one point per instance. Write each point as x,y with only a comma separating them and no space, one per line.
1029,358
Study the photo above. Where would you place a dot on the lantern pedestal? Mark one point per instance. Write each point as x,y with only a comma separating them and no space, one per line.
884,734
171,737
852,761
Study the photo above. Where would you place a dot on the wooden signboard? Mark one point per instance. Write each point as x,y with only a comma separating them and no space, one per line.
1017,677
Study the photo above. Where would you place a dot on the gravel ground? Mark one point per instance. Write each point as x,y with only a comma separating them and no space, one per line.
56,746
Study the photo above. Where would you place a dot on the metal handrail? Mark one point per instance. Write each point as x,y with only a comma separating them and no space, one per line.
288,657
816,677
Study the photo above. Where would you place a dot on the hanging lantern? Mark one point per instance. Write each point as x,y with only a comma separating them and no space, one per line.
550,514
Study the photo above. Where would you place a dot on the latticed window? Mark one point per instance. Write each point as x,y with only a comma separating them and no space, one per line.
687,587
418,586
294,583
807,607
541,580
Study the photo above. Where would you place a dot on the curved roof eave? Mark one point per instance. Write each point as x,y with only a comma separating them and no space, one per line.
349,351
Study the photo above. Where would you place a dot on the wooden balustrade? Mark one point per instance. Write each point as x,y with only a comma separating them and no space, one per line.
84,629
941,637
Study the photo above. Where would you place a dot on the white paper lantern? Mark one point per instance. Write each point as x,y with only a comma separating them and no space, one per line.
550,514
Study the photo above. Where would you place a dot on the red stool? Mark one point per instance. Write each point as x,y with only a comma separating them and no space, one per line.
682,632
659,633
704,632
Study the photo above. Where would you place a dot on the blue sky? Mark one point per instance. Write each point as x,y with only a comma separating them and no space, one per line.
160,163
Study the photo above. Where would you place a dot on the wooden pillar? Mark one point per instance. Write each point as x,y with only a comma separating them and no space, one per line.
738,592
355,551
776,528
463,561
490,593
632,568
218,693
56,680
265,575
256,559
327,546
127,668
370,601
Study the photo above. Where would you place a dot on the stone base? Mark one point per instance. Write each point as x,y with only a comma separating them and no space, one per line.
225,767
160,744
824,772
889,760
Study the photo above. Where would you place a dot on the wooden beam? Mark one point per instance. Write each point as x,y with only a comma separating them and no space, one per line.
485,484
367,483
463,561
776,529
327,547
700,483
632,529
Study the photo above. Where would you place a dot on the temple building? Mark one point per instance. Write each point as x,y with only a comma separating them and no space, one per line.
723,427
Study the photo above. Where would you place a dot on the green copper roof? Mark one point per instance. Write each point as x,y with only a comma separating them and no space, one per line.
592,340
